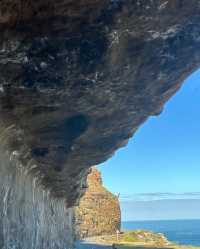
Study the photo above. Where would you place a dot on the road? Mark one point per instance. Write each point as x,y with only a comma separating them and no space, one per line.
91,245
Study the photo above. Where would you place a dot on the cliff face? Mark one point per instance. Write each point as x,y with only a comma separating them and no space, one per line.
77,79
30,218
98,212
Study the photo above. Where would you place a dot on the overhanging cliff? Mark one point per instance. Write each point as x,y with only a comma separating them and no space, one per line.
77,78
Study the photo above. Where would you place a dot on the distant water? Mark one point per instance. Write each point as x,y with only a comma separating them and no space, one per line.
186,232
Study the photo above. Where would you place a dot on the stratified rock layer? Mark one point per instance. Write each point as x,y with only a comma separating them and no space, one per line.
98,212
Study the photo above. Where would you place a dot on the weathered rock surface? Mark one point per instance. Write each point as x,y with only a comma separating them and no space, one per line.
30,218
98,212
77,78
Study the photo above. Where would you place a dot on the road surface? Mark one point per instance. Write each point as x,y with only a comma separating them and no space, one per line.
86,244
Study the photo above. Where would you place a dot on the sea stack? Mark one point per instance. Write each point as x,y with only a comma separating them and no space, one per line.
98,212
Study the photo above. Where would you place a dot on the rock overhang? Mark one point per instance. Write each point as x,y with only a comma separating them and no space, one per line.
78,78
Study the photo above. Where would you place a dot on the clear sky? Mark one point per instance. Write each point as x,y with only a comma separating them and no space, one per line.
162,157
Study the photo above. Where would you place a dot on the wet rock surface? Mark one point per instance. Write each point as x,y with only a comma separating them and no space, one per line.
77,78
98,212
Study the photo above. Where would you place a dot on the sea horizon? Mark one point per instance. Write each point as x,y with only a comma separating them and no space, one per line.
180,231
178,219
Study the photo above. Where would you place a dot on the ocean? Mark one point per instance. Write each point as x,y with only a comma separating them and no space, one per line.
185,232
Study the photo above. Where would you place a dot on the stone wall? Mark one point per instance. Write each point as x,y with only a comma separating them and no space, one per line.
99,211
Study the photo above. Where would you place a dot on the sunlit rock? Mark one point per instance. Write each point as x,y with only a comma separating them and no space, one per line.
98,212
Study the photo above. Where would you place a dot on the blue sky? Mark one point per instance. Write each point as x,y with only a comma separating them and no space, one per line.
163,157
160,209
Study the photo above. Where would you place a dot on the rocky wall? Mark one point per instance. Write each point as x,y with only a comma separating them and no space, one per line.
29,218
98,212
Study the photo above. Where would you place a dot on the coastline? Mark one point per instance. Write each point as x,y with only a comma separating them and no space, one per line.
150,241
182,232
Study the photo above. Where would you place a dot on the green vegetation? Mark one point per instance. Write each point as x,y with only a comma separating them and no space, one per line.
144,237
140,239
136,237
129,237
172,246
